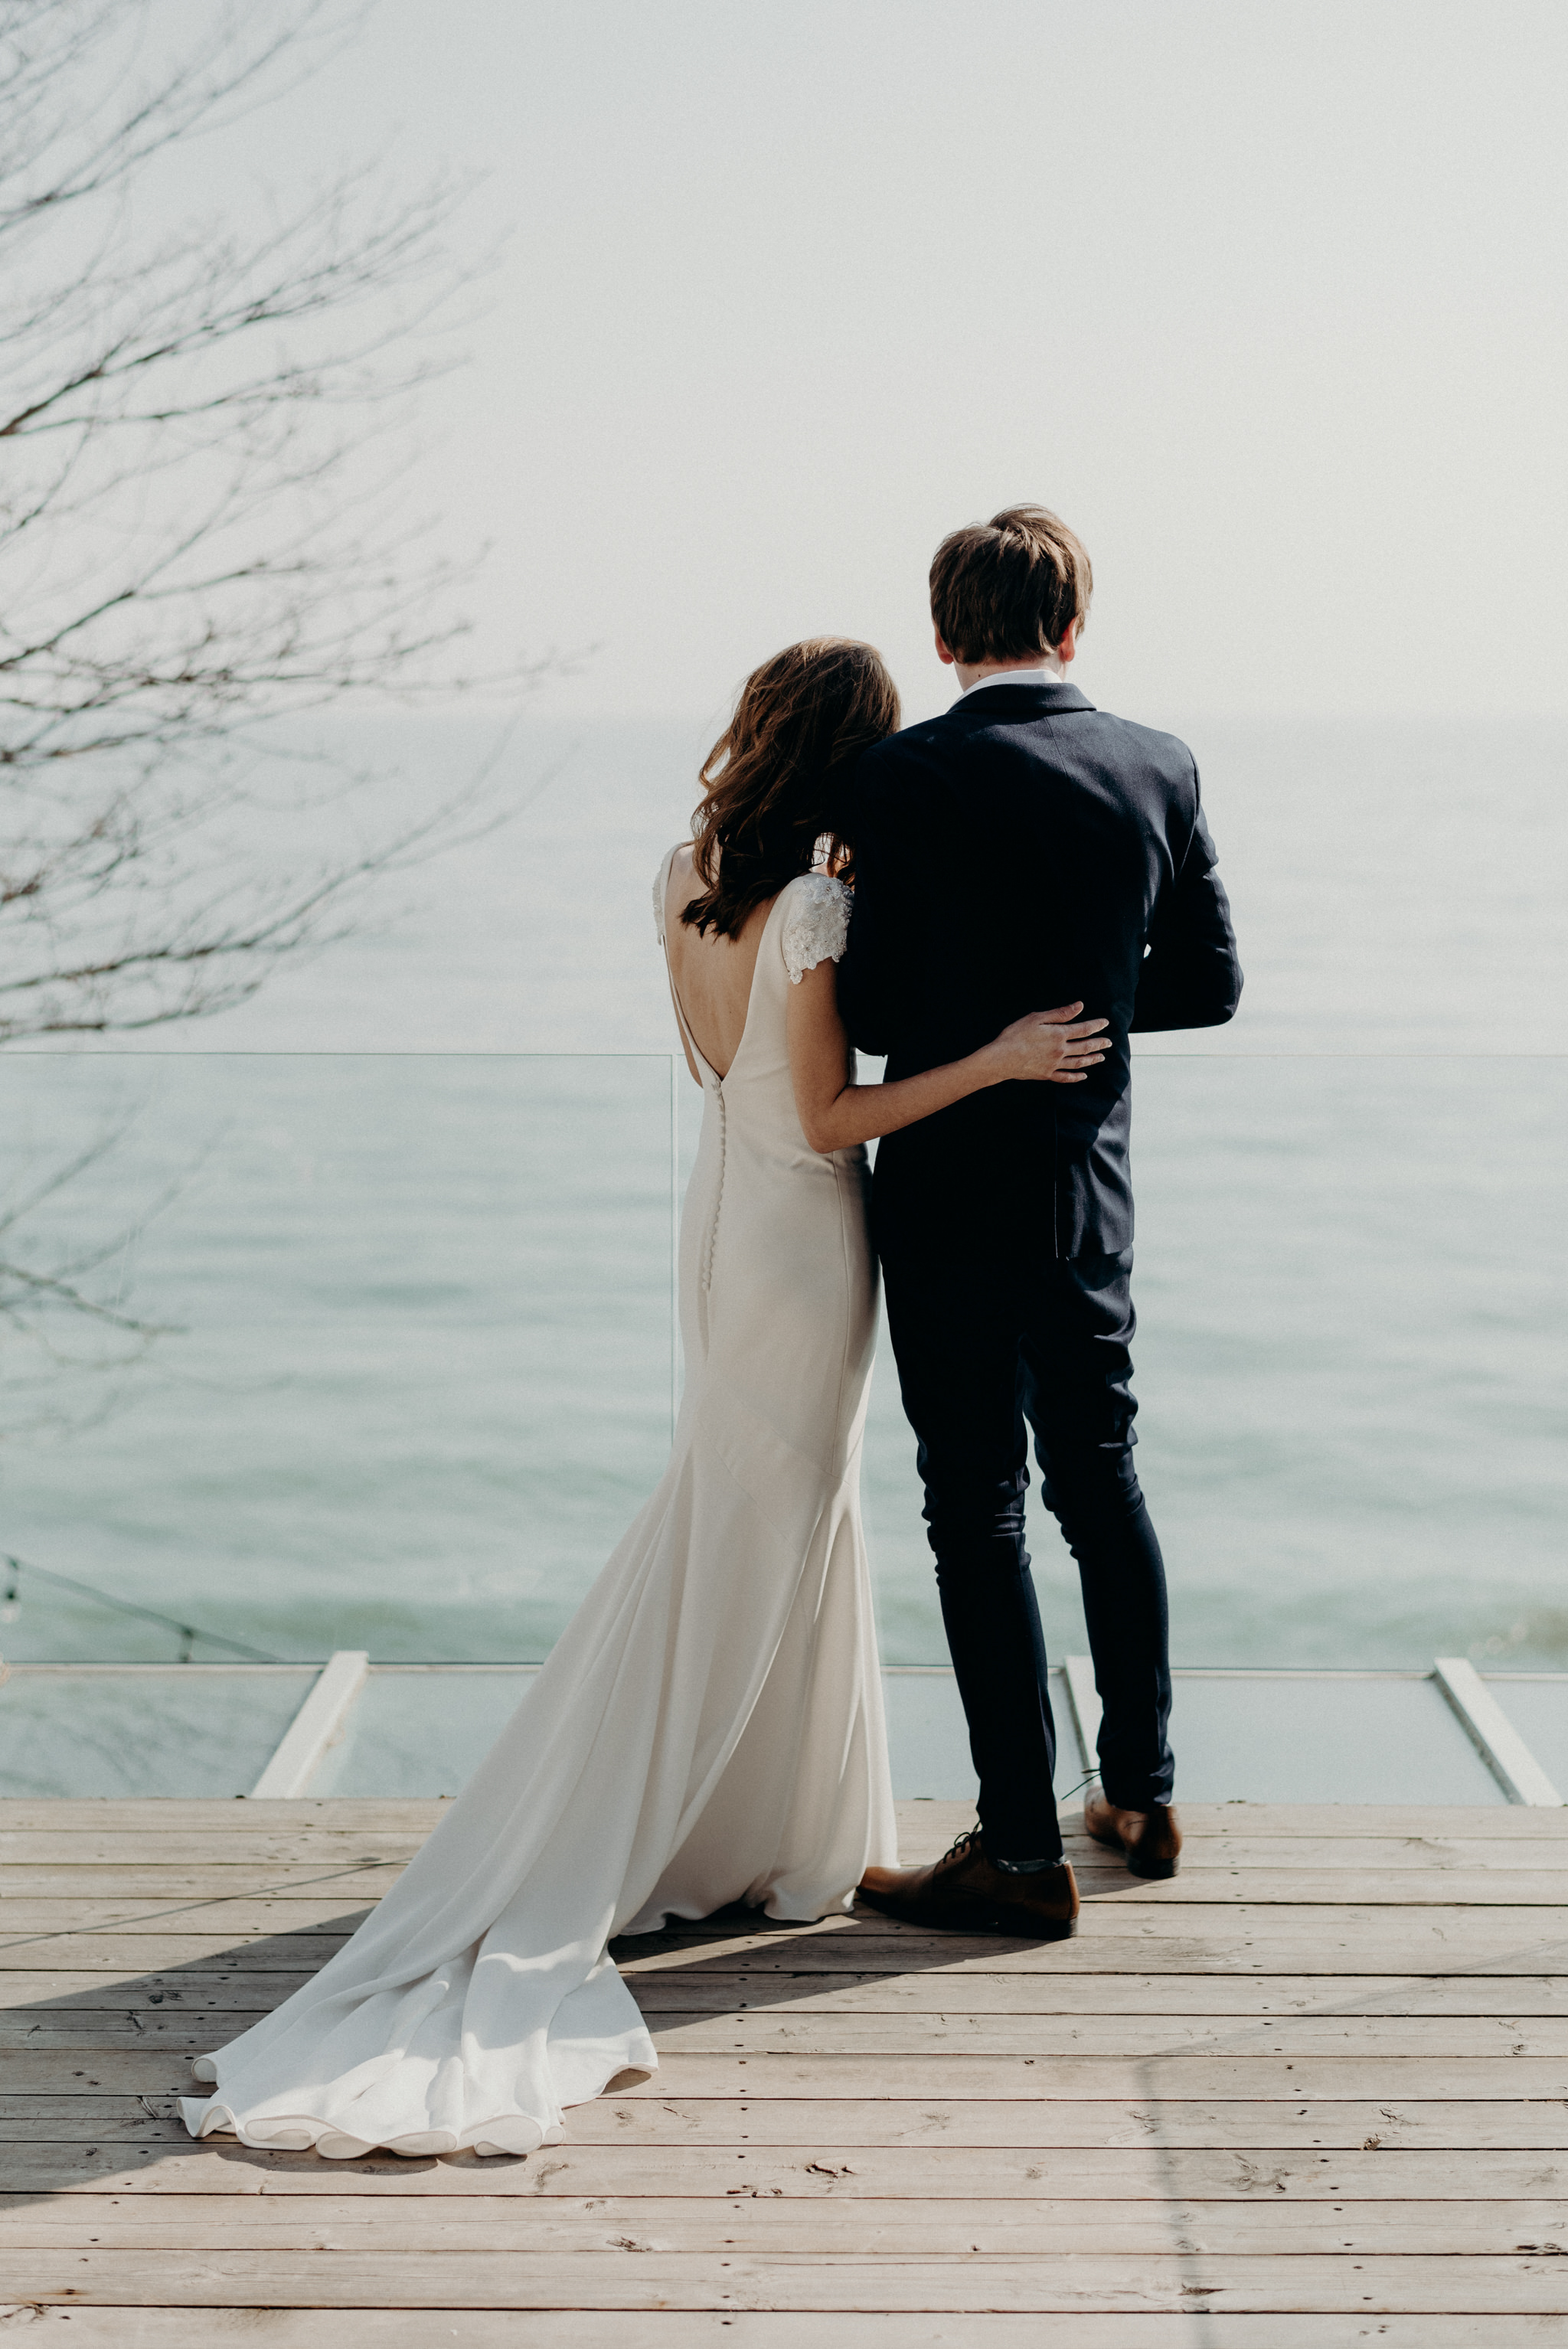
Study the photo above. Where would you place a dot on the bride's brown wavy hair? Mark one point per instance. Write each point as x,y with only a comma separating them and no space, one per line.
775,782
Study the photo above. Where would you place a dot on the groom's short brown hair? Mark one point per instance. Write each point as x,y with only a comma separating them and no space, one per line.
1014,586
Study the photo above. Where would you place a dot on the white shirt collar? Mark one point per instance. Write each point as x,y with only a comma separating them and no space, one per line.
1041,675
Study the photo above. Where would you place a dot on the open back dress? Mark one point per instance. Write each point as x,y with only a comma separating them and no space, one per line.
707,1729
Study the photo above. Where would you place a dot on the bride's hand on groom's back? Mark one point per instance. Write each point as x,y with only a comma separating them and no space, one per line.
1057,1045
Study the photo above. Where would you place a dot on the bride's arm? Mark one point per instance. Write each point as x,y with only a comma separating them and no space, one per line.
835,1114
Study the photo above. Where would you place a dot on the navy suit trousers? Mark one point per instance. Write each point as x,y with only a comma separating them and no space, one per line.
990,1346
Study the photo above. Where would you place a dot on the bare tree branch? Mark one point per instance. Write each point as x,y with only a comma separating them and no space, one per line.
206,528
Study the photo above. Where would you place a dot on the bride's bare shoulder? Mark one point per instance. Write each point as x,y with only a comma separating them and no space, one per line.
673,882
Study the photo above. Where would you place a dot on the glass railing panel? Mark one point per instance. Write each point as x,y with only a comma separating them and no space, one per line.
420,1729
1245,1738
1352,1286
412,1378
415,1368
146,1729
1327,1737
928,1737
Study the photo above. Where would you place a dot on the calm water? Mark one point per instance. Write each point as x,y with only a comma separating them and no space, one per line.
417,1265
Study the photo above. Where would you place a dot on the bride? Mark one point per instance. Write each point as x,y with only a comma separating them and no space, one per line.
708,1729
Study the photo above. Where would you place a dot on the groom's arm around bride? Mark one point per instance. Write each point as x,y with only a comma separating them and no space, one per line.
1023,848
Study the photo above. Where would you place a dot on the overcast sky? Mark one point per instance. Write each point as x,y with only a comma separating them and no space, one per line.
1266,300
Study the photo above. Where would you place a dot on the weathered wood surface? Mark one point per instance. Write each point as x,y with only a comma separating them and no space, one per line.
1247,2125
941,1990
919,2076
349,1890
627,2280
566,2329
1446,1945
816,2029
87,2117
866,2227
112,1846
1318,2085
82,2327
59,1869
943,2171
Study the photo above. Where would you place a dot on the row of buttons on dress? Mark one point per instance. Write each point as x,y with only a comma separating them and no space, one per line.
717,1089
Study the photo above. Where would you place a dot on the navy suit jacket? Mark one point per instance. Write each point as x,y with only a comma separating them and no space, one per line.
1023,851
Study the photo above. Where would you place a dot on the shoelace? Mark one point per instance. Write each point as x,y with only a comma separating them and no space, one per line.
971,1836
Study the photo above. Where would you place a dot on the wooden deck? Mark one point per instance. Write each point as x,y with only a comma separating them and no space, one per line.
1313,2093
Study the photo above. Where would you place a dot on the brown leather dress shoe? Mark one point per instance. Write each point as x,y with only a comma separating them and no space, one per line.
1151,1839
963,1893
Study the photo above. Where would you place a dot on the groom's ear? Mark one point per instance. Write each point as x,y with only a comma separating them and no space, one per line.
942,652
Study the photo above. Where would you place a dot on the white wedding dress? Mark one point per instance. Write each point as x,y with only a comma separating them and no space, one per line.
708,1729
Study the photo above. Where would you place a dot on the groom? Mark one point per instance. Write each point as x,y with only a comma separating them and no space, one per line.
1027,849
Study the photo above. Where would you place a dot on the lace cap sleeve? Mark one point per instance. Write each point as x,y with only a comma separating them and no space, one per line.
817,925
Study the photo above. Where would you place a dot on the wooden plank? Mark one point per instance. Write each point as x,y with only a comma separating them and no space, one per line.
1456,1944
211,1990
295,1908
152,2071
233,1815
1473,1941
81,2036
1332,1926
833,2171
1502,1822
1146,1911
144,1952
1382,2079
621,2280
85,2034
1422,1855
1540,1877
240,1868
145,1882
89,2116
1336,1927
260,1834
1133,2037
767,2032
942,1990
1348,1885
688,2227
1344,1822
189,1846
1495,1943
237,1913
120,2327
